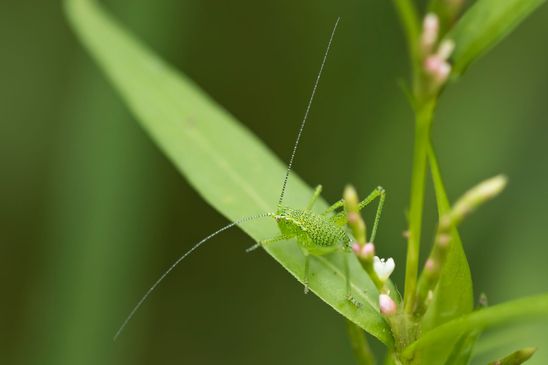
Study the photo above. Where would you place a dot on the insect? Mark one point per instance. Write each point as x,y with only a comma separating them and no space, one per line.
316,233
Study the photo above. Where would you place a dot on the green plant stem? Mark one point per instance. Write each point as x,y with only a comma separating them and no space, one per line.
424,109
409,19
424,116
360,346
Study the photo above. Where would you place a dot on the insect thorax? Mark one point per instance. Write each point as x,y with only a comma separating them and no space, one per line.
312,230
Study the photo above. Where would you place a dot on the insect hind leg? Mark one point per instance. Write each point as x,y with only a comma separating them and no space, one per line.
282,237
380,193
338,204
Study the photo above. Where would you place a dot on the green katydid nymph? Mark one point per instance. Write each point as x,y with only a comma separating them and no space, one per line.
316,233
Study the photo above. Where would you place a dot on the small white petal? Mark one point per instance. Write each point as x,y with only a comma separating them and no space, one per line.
383,268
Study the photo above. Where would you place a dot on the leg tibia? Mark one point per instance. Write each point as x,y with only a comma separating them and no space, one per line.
306,272
334,207
314,198
380,193
271,240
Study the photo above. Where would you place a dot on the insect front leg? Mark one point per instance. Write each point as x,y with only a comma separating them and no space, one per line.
380,193
282,237
314,198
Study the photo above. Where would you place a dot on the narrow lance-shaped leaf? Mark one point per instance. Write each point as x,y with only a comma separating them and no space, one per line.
462,351
521,309
223,161
483,25
453,296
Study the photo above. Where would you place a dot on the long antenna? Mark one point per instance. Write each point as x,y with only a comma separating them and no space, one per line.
307,111
194,248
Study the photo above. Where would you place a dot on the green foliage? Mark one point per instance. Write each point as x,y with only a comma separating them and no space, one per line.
454,294
205,143
483,25
517,310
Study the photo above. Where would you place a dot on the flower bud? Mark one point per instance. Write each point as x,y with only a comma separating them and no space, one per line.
476,196
516,358
387,305
430,266
430,30
446,49
368,250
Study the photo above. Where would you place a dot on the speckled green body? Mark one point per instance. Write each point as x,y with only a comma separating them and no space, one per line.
317,234
320,233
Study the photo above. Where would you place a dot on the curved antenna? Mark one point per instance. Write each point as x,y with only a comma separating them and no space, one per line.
194,248
307,111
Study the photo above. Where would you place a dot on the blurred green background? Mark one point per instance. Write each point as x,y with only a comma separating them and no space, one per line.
92,212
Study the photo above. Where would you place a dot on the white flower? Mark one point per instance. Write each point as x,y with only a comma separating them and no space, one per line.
383,268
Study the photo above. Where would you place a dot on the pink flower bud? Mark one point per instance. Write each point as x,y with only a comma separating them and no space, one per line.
432,64
442,73
430,29
356,248
387,306
430,265
368,251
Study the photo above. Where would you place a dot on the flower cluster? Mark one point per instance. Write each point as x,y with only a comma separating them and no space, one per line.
436,64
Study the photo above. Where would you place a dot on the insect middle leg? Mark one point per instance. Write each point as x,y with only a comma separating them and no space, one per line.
347,254
306,271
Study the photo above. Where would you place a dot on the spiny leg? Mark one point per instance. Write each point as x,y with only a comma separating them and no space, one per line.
306,272
349,296
334,207
314,198
378,192
282,237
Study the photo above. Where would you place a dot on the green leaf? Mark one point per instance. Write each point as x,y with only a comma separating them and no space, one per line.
231,169
360,345
483,25
454,293
453,296
517,310
462,351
